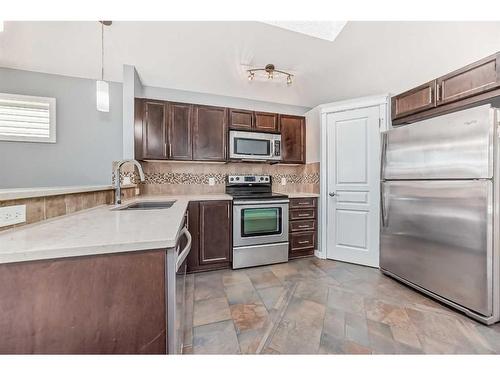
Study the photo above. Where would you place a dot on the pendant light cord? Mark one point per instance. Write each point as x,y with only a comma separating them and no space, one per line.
102,51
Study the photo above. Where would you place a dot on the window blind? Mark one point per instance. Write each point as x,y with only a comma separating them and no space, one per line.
26,119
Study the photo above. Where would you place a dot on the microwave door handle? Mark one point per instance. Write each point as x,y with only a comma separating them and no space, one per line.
272,148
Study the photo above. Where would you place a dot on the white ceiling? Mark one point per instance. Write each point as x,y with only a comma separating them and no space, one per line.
366,58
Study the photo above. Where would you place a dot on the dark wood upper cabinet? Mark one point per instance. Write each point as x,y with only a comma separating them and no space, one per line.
266,122
415,100
474,79
154,142
475,83
240,119
209,133
210,225
180,131
293,139
183,131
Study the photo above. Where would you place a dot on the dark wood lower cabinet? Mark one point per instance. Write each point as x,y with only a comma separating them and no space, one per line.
103,304
210,225
303,227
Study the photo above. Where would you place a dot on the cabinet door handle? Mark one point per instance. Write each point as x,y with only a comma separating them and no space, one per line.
169,150
438,92
165,149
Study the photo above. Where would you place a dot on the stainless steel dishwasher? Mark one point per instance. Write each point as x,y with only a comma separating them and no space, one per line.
176,291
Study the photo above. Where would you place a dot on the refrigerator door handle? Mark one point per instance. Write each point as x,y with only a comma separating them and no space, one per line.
383,210
383,141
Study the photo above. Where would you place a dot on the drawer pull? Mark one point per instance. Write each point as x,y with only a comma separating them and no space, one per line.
303,242
303,203
302,215
304,226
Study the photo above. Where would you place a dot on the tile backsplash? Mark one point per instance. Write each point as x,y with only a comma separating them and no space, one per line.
186,178
47,207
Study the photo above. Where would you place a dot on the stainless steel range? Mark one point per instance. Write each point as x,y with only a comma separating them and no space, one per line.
260,221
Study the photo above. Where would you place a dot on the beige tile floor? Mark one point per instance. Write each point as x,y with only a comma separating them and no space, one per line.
313,306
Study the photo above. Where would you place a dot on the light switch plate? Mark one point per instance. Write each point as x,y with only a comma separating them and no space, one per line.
211,181
283,180
12,215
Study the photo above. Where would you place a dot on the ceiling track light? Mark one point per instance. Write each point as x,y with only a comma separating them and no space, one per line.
271,72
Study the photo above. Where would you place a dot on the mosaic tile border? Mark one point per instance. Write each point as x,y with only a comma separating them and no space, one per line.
180,178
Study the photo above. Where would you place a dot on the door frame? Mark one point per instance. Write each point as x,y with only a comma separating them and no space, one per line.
381,101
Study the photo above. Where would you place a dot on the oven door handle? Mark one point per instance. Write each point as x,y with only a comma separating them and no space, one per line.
258,202
184,253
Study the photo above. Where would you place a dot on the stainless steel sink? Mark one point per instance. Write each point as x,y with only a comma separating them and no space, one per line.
147,205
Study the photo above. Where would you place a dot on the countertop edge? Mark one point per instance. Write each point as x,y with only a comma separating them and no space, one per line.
55,254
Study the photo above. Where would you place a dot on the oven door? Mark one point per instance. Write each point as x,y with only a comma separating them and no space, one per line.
254,146
260,222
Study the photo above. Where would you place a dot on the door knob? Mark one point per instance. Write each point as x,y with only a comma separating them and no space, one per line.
331,194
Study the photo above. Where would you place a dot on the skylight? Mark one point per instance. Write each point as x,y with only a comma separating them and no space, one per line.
327,30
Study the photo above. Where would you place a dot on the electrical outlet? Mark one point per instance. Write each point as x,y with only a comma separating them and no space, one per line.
211,181
283,181
12,215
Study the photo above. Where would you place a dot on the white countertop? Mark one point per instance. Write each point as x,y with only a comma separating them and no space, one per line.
20,193
99,230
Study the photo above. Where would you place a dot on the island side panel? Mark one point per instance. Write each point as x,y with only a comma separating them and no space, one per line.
112,303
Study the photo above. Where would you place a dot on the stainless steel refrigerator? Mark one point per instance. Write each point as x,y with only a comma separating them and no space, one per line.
440,209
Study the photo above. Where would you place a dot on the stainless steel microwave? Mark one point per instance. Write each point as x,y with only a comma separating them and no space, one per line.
254,146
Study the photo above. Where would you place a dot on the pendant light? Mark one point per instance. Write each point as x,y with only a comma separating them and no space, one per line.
102,87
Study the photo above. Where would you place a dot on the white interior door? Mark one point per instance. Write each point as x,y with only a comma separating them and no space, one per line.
353,149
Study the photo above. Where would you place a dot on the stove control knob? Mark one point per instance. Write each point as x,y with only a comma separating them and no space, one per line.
267,178
262,178
231,179
237,178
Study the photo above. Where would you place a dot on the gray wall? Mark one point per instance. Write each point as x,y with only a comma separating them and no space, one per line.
87,140
219,100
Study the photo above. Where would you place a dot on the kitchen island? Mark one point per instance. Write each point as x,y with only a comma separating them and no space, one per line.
97,281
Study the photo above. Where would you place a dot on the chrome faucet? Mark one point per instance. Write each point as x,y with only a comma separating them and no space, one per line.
118,188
